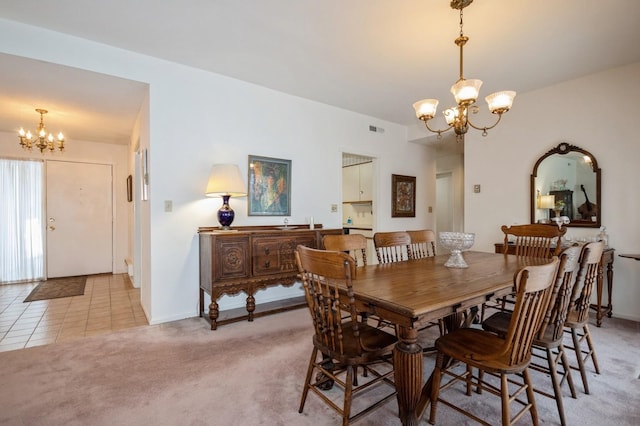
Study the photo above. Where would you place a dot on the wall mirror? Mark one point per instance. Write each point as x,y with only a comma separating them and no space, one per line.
565,187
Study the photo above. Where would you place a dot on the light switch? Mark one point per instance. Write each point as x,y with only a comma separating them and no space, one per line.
168,205
334,208
476,189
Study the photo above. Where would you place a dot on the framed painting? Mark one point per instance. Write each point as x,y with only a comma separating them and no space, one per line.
129,188
403,196
269,186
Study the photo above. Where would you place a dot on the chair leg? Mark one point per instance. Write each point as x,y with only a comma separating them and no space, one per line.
567,370
504,396
551,361
578,351
348,393
307,382
435,386
531,397
592,350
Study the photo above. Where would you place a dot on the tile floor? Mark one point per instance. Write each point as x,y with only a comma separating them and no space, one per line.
110,303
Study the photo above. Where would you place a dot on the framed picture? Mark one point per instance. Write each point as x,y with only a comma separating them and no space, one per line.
129,188
269,186
403,196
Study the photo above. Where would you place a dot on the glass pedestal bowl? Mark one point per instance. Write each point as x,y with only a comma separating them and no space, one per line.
456,242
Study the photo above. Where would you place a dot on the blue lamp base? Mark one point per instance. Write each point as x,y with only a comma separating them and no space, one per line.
226,213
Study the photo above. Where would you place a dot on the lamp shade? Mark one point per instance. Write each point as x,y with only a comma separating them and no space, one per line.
225,179
426,108
466,91
500,102
546,201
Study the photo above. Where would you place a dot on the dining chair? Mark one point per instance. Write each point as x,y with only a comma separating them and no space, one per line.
497,355
353,244
578,316
532,240
547,343
392,246
423,243
343,343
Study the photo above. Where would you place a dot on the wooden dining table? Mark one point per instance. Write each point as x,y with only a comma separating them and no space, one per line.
413,293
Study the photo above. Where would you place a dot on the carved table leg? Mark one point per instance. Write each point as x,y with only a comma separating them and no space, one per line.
213,313
251,306
407,361
609,287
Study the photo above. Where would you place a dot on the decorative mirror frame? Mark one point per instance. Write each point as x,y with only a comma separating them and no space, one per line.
564,148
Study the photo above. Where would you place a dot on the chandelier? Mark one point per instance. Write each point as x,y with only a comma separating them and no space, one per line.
41,141
466,93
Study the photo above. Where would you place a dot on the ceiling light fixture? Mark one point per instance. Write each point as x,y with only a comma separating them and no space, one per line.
466,93
41,141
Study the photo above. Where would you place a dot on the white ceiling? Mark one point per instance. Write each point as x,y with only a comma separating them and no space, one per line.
374,57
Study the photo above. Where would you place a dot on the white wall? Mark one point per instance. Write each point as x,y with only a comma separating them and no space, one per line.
597,113
197,119
88,152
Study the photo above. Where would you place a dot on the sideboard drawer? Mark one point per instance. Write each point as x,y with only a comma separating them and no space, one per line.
277,255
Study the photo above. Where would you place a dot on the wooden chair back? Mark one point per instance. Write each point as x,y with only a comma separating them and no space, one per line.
392,246
353,244
553,323
535,240
423,243
588,272
322,271
532,299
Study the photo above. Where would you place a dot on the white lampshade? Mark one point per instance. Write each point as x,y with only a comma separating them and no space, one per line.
426,108
500,102
546,201
466,91
225,179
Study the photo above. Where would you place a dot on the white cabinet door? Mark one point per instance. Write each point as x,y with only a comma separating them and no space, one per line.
366,176
350,183
356,182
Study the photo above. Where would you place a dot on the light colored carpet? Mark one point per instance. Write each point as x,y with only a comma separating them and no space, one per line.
182,373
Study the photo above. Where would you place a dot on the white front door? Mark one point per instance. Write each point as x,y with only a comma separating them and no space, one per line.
79,218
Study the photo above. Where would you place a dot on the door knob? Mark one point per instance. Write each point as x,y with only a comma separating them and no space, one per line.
52,228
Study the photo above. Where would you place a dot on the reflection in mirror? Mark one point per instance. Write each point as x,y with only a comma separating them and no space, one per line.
565,188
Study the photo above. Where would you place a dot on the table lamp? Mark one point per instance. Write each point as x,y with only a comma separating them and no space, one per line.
546,202
225,181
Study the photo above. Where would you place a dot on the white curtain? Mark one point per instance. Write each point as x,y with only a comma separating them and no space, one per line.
21,220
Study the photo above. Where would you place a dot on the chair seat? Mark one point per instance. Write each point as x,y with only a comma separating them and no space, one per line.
371,343
572,320
499,323
484,354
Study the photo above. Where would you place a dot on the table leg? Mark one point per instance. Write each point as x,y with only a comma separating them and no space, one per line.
609,287
407,361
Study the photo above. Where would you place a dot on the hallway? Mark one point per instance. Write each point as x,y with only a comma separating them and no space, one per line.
110,303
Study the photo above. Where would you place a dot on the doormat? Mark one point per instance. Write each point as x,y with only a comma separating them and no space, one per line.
55,288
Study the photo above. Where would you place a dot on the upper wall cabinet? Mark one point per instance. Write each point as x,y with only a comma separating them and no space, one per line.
565,185
356,183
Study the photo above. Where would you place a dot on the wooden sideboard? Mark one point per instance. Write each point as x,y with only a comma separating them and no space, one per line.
607,259
251,258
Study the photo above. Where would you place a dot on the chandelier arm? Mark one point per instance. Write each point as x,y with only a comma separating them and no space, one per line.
484,129
439,132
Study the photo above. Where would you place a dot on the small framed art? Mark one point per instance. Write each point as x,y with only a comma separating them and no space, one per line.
403,196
